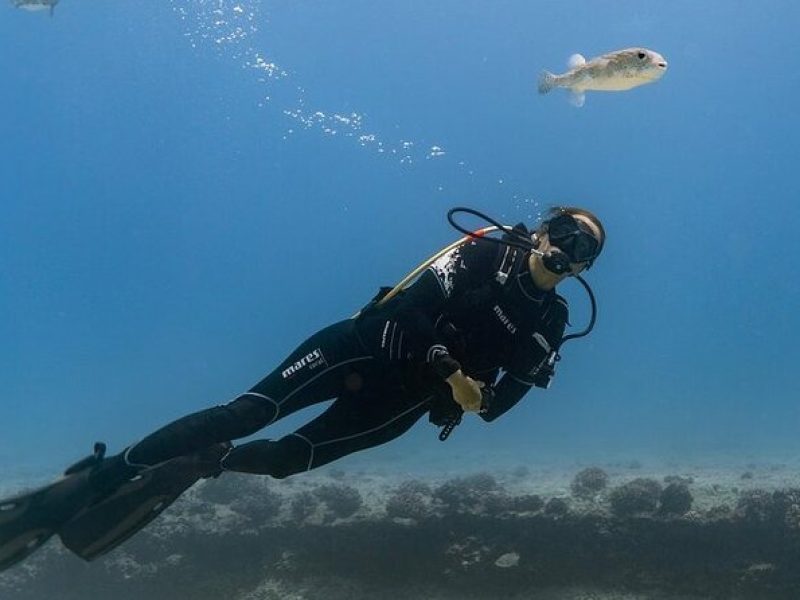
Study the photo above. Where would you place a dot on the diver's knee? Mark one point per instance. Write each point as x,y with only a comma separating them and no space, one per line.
295,455
253,411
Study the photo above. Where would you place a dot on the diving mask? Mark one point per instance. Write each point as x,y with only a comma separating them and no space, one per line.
574,238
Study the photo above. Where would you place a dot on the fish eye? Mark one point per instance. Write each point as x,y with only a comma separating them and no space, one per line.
641,55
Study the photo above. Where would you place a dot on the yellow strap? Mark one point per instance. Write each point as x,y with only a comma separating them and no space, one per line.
406,281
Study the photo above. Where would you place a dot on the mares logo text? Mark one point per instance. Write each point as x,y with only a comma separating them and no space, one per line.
505,320
311,360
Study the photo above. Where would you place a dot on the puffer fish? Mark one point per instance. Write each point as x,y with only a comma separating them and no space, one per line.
33,5
612,72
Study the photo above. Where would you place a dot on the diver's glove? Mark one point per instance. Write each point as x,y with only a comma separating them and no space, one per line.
467,392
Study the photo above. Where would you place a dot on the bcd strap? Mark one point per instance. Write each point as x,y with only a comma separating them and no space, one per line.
372,304
509,258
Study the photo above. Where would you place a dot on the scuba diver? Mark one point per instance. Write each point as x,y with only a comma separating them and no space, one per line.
479,326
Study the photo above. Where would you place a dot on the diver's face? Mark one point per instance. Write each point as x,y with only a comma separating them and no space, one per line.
576,268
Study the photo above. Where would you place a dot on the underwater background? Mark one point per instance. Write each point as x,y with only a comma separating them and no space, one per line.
188,188
169,232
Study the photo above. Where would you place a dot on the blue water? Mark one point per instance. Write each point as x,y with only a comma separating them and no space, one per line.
168,232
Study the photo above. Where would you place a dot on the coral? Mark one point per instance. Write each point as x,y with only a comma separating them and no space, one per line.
556,507
527,503
412,500
755,506
719,512
244,494
342,500
497,503
303,506
481,482
466,493
705,554
676,499
264,506
689,480
786,507
781,507
638,496
589,482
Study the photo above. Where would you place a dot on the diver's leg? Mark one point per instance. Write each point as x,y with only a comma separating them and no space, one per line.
352,423
117,496
317,370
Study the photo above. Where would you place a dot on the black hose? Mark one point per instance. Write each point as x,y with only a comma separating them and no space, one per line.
524,242
593,318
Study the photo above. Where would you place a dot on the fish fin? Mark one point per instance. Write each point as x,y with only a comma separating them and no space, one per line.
577,98
547,81
576,60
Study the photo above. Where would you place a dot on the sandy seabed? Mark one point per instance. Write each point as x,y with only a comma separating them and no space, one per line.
617,531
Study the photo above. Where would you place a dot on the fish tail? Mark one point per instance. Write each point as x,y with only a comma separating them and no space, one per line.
547,81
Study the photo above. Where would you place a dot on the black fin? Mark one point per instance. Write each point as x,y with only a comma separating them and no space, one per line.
98,454
28,520
103,526
19,539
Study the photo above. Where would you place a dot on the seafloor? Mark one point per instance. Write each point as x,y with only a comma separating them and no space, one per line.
616,531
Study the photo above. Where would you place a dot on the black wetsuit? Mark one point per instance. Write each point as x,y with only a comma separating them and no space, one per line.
475,308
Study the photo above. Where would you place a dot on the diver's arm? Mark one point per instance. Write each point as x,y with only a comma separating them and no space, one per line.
508,391
531,365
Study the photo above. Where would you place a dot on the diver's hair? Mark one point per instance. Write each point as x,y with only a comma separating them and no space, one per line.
556,211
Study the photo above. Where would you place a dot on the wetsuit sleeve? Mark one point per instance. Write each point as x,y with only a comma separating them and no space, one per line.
508,391
422,303
529,366
419,303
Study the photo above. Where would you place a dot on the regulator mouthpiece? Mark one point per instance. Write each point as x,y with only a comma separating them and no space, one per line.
556,262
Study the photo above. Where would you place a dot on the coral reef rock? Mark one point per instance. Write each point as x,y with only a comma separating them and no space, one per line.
638,496
588,482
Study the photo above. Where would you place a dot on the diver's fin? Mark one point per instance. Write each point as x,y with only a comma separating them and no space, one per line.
103,526
28,520
577,98
24,527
